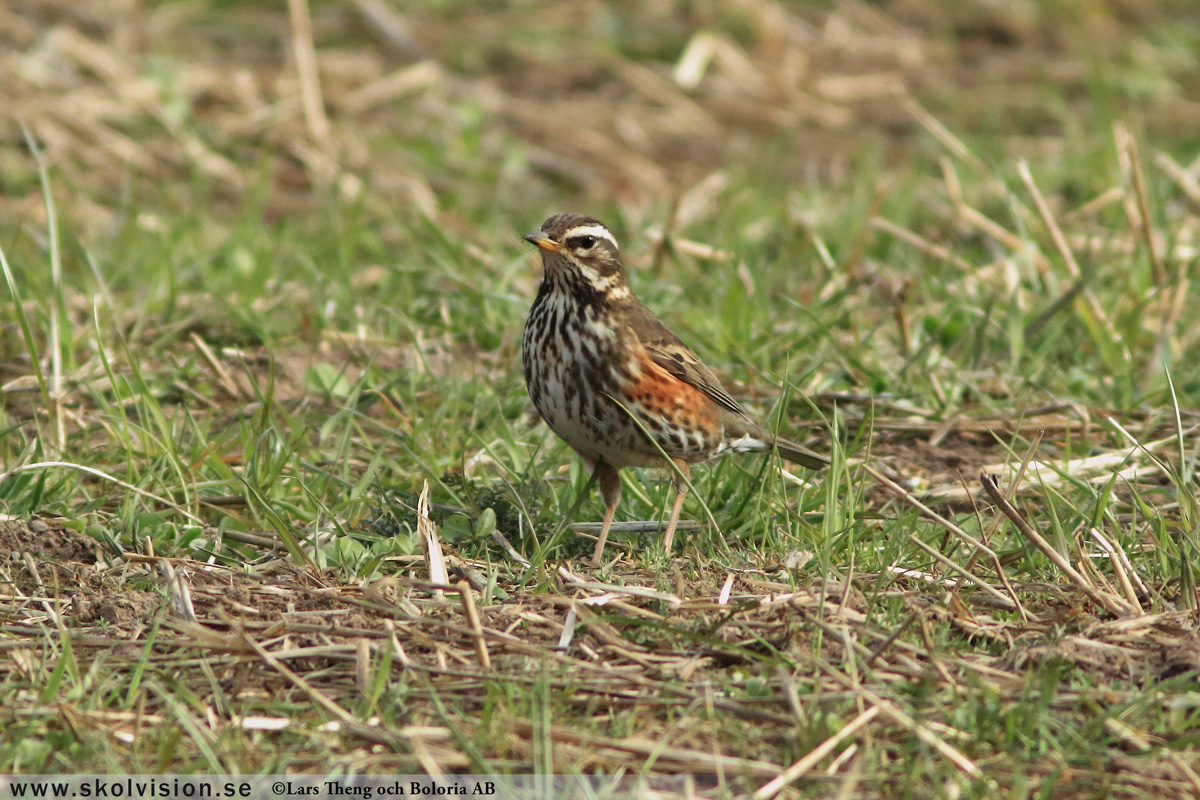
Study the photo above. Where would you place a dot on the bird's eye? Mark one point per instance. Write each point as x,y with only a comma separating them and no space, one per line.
587,242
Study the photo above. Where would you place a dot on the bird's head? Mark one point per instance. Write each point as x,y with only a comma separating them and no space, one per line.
582,253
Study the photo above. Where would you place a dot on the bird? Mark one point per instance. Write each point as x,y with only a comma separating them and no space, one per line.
615,383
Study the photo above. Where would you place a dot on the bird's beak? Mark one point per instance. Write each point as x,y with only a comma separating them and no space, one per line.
543,241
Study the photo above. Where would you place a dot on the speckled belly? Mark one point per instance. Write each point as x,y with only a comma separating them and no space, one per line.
590,390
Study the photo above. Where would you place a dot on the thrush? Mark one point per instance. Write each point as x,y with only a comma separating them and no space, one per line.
613,381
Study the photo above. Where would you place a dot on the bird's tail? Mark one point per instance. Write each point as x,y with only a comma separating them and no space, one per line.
800,454
744,436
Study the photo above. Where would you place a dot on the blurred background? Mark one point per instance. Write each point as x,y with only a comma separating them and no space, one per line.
452,110
840,182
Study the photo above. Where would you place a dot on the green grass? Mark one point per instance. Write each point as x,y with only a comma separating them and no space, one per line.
290,364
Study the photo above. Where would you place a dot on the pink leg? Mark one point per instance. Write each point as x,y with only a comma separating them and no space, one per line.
610,490
681,491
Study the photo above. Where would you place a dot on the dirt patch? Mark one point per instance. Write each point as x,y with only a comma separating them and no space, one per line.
958,457
116,608
946,474
1095,657
46,539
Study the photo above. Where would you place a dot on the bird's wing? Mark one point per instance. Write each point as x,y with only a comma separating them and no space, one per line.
666,349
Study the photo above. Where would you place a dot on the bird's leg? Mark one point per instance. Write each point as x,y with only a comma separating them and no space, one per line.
681,491
610,490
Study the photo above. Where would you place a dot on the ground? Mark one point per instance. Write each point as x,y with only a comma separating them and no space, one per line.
261,364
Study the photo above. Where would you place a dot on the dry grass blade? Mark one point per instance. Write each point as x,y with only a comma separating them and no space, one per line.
1127,146
31,567
392,26
224,379
931,249
472,614
1186,181
920,575
509,550
428,762
993,592
681,759
1068,256
613,589
1122,568
908,497
400,83
798,770
952,143
179,591
1192,777
431,546
362,665
568,629
471,575
318,697
1110,603
1148,449
920,730
726,588
306,65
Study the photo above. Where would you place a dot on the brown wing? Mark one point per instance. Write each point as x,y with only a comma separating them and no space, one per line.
677,358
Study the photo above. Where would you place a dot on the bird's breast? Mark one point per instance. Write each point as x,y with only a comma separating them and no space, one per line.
595,385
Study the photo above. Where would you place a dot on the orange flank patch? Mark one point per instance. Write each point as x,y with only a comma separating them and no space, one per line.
660,392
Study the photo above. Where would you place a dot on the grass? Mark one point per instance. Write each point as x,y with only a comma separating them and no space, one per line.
270,341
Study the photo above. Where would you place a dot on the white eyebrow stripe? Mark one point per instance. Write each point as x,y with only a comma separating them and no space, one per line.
599,231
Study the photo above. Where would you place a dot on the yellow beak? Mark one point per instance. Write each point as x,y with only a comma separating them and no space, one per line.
543,241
